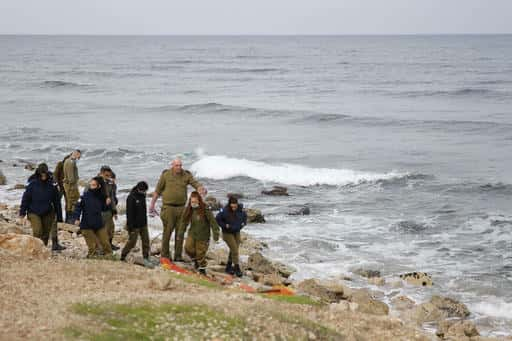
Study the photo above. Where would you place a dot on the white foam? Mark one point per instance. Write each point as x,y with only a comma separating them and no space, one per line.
494,308
220,167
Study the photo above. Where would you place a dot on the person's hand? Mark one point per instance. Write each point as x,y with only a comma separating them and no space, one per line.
152,212
108,201
227,226
77,222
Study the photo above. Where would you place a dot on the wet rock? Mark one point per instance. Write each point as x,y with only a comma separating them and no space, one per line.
24,246
30,166
213,203
17,187
329,292
301,211
276,191
367,304
418,278
438,309
3,179
238,196
254,216
258,263
249,245
379,281
456,330
367,273
402,303
453,307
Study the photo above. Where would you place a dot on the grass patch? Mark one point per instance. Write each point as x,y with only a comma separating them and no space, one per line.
321,332
195,280
154,322
295,299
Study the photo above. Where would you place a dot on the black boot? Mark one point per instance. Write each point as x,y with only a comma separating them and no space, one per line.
237,270
69,218
202,271
113,247
56,246
229,268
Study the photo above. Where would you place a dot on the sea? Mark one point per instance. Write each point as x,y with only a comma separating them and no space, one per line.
400,146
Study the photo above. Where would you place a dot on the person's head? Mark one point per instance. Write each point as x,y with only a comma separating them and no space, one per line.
106,172
141,187
233,203
176,166
195,202
76,154
42,172
95,184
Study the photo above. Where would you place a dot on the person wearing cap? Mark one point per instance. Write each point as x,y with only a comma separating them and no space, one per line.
70,181
172,187
232,219
137,222
41,203
110,212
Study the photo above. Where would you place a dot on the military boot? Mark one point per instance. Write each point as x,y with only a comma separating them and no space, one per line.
56,246
229,268
238,271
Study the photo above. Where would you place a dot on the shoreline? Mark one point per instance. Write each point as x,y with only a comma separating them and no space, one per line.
337,296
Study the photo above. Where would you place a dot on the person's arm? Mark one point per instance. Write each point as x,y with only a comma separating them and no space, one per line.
130,212
160,186
220,219
213,225
57,205
78,210
26,200
196,184
244,218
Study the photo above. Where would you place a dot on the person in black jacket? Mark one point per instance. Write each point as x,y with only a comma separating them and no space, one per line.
90,206
137,222
232,219
41,202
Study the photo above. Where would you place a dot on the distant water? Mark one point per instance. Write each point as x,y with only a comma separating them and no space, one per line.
401,146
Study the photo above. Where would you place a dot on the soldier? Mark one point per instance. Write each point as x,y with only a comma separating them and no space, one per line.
172,186
232,219
70,181
201,221
41,203
90,207
137,222
110,213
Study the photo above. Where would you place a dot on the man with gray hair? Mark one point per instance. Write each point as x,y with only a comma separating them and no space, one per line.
172,187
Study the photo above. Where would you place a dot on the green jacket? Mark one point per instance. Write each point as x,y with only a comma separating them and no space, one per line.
173,187
200,226
70,172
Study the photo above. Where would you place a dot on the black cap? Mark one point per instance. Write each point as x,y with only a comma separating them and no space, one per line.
232,200
42,168
105,169
142,186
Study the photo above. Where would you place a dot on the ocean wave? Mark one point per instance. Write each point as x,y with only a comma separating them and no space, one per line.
495,308
245,70
469,187
463,92
221,167
62,84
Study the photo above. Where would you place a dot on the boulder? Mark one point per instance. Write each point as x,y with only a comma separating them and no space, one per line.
68,227
367,273
6,227
236,195
30,166
456,330
3,179
452,307
438,309
276,191
218,255
254,216
301,211
367,304
24,246
418,278
379,281
17,187
402,303
329,292
258,263
213,203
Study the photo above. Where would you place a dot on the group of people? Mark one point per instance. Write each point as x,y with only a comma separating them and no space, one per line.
96,209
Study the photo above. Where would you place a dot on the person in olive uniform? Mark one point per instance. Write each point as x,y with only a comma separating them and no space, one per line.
232,219
40,202
137,222
70,181
110,214
172,186
201,221
90,207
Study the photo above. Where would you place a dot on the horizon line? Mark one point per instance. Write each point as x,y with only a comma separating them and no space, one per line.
250,34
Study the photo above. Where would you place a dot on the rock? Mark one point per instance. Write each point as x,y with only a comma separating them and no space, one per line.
213,203
238,196
17,187
121,208
271,280
418,278
456,330
438,309
161,282
68,227
331,293
254,216
258,263
379,281
249,245
218,255
124,190
30,166
367,273
3,179
402,303
340,306
24,246
301,211
276,191
367,304
6,227
83,183
453,307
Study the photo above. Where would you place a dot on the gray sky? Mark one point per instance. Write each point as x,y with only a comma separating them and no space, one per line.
254,17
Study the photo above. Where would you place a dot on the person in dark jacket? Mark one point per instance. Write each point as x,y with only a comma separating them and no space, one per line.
137,222
232,219
110,213
54,230
40,202
90,207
